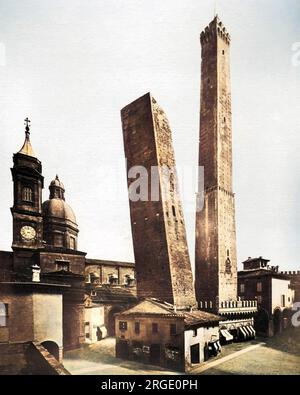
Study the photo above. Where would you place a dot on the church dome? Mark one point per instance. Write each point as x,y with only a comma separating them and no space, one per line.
59,222
58,208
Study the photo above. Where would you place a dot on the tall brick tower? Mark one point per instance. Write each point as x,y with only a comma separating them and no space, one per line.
215,261
163,266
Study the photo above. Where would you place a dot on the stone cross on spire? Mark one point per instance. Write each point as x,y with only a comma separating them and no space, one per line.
27,148
27,124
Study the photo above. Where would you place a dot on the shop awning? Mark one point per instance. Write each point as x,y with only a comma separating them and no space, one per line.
228,337
243,332
252,330
247,330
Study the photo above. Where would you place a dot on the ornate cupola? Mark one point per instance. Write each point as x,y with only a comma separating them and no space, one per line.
57,189
60,226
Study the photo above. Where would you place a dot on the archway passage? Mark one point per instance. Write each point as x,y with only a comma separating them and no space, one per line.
262,322
286,318
52,348
277,321
112,320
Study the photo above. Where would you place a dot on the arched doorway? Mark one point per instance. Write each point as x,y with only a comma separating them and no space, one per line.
277,321
111,320
52,348
261,322
286,318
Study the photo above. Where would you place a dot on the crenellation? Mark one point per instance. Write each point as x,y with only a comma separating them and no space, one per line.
213,30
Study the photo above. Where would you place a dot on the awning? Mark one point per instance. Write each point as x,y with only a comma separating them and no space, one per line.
217,346
252,330
228,337
243,332
247,330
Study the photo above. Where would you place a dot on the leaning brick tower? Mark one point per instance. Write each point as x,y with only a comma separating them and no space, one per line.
215,260
162,260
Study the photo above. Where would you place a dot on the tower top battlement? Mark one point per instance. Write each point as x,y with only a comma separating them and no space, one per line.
215,28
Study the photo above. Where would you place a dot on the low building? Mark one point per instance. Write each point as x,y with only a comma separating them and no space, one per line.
272,291
154,332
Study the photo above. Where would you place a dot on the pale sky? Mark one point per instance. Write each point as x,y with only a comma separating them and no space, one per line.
71,65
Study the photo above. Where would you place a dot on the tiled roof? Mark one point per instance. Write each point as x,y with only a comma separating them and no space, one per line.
200,317
155,307
106,293
261,273
149,306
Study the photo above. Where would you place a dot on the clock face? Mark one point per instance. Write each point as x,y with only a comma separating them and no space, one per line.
28,232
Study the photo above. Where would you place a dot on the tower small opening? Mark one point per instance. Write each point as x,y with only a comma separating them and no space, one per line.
174,211
223,52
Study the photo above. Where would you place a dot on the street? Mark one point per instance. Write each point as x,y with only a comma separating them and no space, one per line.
274,356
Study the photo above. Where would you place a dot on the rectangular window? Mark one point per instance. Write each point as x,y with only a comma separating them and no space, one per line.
259,286
173,330
242,288
154,328
3,314
259,299
195,332
123,325
72,243
137,328
283,300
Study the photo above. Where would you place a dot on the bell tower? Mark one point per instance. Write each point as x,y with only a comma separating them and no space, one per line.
27,206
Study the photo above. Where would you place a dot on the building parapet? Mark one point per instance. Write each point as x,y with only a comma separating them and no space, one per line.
215,28
230,307
291,273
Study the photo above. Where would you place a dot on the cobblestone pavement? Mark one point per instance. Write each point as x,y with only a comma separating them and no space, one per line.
279,355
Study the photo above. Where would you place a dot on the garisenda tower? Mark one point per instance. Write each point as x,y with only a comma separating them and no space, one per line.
215,256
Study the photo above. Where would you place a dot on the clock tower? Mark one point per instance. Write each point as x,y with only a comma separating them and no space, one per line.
27,208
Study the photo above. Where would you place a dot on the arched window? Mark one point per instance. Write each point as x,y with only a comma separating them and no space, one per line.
3,314
27,194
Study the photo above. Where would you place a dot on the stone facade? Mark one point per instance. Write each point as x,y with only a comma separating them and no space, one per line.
216,266
99,272
163,266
